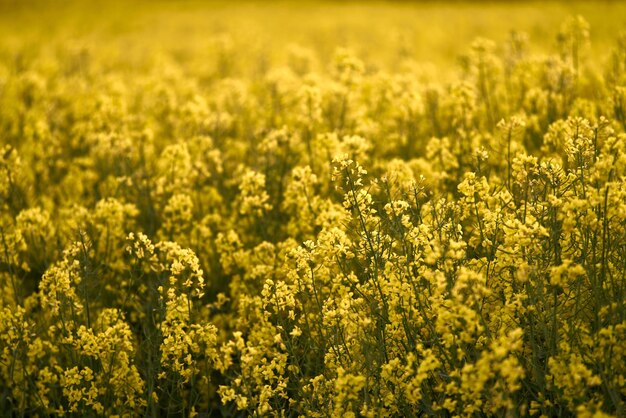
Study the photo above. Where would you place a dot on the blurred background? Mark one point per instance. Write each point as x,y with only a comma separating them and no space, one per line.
383,34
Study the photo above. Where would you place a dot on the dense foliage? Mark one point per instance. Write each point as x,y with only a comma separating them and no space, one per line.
314,238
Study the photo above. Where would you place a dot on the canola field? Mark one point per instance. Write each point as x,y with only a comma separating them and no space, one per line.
312,209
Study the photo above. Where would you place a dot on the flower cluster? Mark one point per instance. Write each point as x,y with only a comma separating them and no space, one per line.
195,231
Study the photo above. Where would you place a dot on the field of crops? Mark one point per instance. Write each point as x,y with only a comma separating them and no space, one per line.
312,209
